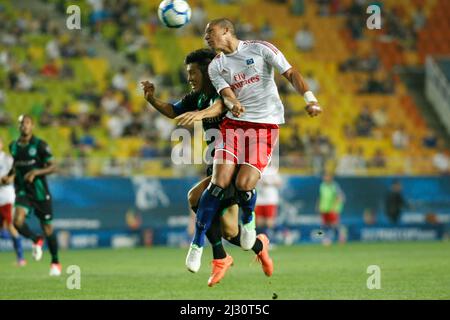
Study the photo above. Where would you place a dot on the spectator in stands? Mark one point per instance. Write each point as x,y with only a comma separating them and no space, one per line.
67,117
87,141
378,160
373,85
430,140
380,117
324,7
109,102
149,150
395,202
266,32
118,121
347,163
119,80
364,122
349,131
25,82
360,161
400,138
67,72
304,39
199,19
298,7
50,69
46,118
314,85
441,160
5,117
52,49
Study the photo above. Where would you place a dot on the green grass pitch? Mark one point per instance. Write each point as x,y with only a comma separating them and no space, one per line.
413,270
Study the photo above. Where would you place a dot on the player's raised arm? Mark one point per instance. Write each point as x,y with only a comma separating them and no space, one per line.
165,108
223,88
300,85
188,118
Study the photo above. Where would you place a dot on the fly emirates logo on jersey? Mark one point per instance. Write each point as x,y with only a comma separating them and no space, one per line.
241,80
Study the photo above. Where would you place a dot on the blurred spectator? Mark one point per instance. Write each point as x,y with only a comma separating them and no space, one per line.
430,140
441,160
67,117
304,39
266,31
46,117
24,82
67,71
149,149
395,202
109,102
364,122
347,163
380,117
349,131
312,82
199,19
52,49
298,7
400,138
374,85
50,69
119,80
87,141
378,160
118,121
88,94
360,161
324,7
112,167
5,117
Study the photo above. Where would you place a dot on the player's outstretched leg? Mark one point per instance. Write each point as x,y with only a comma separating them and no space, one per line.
246,181
55,266
263,256
208,206
247,201
24,230
221,260
17,243
260,248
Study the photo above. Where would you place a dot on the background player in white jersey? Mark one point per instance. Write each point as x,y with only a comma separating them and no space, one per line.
7,198
243,75
268,190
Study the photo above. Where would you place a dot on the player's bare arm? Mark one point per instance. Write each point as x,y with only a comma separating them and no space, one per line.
49,168
163,107
188,118
9,178
300,85
231,102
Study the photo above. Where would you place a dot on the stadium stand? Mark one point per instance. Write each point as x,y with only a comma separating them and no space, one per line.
91,111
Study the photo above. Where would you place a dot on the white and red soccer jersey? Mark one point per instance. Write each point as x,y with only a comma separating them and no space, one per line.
249,72
7,194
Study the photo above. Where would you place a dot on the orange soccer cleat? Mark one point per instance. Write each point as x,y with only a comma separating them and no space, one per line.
220,267
263,257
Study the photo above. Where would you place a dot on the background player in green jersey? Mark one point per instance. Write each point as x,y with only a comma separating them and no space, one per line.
331,202
203,103
32,163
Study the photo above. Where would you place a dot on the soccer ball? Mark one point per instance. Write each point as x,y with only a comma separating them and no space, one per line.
174,13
